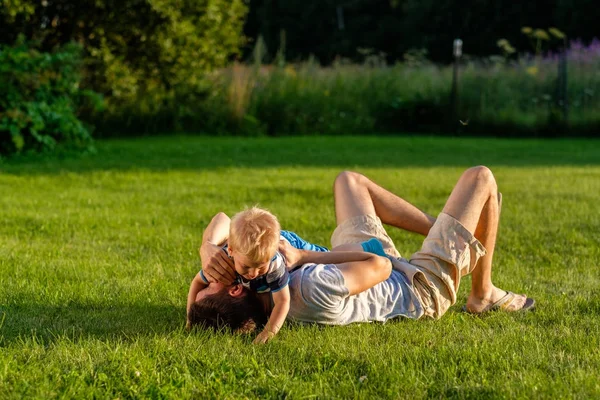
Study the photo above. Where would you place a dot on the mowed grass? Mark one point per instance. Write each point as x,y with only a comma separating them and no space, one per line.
97,252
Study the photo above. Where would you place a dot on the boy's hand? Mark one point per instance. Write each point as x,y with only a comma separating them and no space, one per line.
289,253
216,265
263,337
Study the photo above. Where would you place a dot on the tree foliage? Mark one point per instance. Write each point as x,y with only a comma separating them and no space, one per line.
39,98
142,55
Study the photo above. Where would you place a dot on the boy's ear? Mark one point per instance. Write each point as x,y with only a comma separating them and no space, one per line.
236,290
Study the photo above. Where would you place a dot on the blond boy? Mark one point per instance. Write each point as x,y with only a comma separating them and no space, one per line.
253,242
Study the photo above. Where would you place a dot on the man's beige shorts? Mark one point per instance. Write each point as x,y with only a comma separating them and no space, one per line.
448,253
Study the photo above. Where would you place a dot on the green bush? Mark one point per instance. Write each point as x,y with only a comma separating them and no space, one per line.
40,97
149,58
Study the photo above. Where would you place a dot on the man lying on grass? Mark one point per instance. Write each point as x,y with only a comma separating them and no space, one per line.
342,287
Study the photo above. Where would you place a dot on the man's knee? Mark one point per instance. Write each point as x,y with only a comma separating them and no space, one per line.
346,180
481,176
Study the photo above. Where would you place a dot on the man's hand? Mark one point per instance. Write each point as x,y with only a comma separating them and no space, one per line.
289,253
263,337
216,265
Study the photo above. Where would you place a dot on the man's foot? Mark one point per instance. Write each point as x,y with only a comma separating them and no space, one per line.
502,300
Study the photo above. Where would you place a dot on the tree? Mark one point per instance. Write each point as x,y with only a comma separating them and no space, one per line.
142,55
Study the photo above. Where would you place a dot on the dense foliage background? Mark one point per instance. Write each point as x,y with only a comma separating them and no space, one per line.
148,58
334,28
268,67
39,96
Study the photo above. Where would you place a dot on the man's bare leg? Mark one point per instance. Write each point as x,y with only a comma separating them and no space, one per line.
474,203
356,195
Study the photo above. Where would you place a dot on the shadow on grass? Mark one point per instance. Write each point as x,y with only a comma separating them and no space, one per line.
75,321
202,153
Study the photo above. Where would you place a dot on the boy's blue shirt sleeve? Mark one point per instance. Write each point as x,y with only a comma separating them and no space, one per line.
300,243
373,246
376,247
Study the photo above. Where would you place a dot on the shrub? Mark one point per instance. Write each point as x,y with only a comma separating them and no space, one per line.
39,98
149,58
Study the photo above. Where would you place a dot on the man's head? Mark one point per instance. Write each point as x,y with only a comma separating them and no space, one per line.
234,307
253,241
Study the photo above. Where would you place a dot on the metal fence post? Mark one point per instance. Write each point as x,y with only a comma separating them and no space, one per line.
562,84
340,17
454,98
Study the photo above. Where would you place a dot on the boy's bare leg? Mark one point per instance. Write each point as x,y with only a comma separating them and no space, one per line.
356,195
474,203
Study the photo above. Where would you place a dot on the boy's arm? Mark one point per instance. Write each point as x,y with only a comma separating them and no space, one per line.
217,267
281,299
195,287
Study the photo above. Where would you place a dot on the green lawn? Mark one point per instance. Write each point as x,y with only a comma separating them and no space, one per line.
97,253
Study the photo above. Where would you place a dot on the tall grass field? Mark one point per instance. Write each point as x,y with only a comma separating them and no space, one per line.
97,252
496,96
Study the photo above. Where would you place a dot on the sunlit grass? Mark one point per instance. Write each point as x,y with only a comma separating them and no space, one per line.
97,253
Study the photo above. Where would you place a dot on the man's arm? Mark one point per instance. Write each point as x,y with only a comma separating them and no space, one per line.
361,271
216,265
195,287
217,230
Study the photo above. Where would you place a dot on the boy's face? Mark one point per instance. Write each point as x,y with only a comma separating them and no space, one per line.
246,268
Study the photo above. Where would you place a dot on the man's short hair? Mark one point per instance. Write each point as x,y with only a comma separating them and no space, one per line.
254,233
220,310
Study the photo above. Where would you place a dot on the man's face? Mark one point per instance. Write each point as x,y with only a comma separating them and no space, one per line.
235,290
212,288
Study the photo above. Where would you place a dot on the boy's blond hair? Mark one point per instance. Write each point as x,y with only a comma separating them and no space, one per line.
254,233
